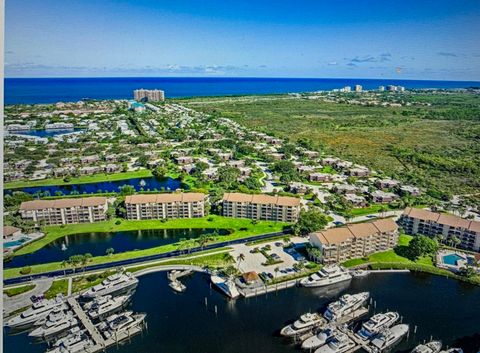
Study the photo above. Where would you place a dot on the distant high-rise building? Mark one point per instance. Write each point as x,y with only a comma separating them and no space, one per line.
358,88
400,88
381,88
151,95
347,89
391,88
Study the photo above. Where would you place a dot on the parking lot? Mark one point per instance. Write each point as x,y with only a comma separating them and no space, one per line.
255,261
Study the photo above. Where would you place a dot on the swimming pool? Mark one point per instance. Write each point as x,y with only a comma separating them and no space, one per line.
11,244
452,259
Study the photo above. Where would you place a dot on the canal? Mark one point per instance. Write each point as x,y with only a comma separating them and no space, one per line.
140,184
180,323
98,243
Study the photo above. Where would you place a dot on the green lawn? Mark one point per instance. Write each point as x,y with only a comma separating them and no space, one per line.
58,287
376,208
143,173
240,228
11,292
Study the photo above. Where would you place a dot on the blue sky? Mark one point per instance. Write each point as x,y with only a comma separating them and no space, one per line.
351,39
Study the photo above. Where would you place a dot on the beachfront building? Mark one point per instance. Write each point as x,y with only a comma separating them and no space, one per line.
149,95
65,211
355,240
162,206
419,221
261,207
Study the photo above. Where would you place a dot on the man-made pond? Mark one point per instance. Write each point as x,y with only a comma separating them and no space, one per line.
441,308
145,184
45,133
98,243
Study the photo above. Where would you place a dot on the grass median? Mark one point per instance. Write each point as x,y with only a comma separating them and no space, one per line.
97,178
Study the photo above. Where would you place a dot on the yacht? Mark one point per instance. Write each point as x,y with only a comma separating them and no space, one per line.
338,343
389,337
226,286
74,335
123,323
452,350
345,305
74,347
38,311
96,302
430,347
120,282
318,339
103,309
177,286
54,316
52,328
376,324
105,324
326,276
305,323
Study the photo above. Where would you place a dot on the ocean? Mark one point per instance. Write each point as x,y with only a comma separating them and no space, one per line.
52,90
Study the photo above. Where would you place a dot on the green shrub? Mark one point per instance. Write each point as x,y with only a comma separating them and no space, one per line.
118,222
25,270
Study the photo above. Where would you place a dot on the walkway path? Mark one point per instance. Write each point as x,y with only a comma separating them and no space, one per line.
10,304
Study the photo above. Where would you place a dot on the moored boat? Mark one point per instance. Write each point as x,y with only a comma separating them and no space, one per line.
389,337
345,305
326,276
430,347
305,323
376,324
318,339
338,343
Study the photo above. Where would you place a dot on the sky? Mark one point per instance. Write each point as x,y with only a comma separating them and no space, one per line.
419,39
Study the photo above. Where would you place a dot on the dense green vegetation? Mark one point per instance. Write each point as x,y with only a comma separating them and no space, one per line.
435,146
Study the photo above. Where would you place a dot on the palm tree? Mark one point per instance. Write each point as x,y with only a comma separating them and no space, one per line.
276,269
64,265
455,241
228,258
109,251
240,258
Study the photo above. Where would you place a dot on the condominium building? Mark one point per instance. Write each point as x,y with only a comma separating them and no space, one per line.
149,95
262,207
419,221
65,211
358,88
160,206
355,240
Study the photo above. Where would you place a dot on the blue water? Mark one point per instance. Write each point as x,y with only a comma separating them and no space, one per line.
97,244
151,184
452,259
45,133
50,90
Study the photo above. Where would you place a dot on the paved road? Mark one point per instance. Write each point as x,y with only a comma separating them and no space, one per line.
138,260
11,304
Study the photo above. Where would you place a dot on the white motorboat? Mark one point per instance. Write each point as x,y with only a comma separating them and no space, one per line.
75,335
389,337
305,323
105,324
338,343
326,276
177,286
376,324
113,304
123,323
359,273
79,346
345,305
318,339
38,311
120,282
55,315
225,285
96,302
172,275
50,328
430,347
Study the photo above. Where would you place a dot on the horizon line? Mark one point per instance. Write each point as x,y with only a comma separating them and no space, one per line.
244,77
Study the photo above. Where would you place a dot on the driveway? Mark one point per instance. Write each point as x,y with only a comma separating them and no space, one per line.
11,304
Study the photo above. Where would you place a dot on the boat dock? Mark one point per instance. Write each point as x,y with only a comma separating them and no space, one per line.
176,274
85,321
